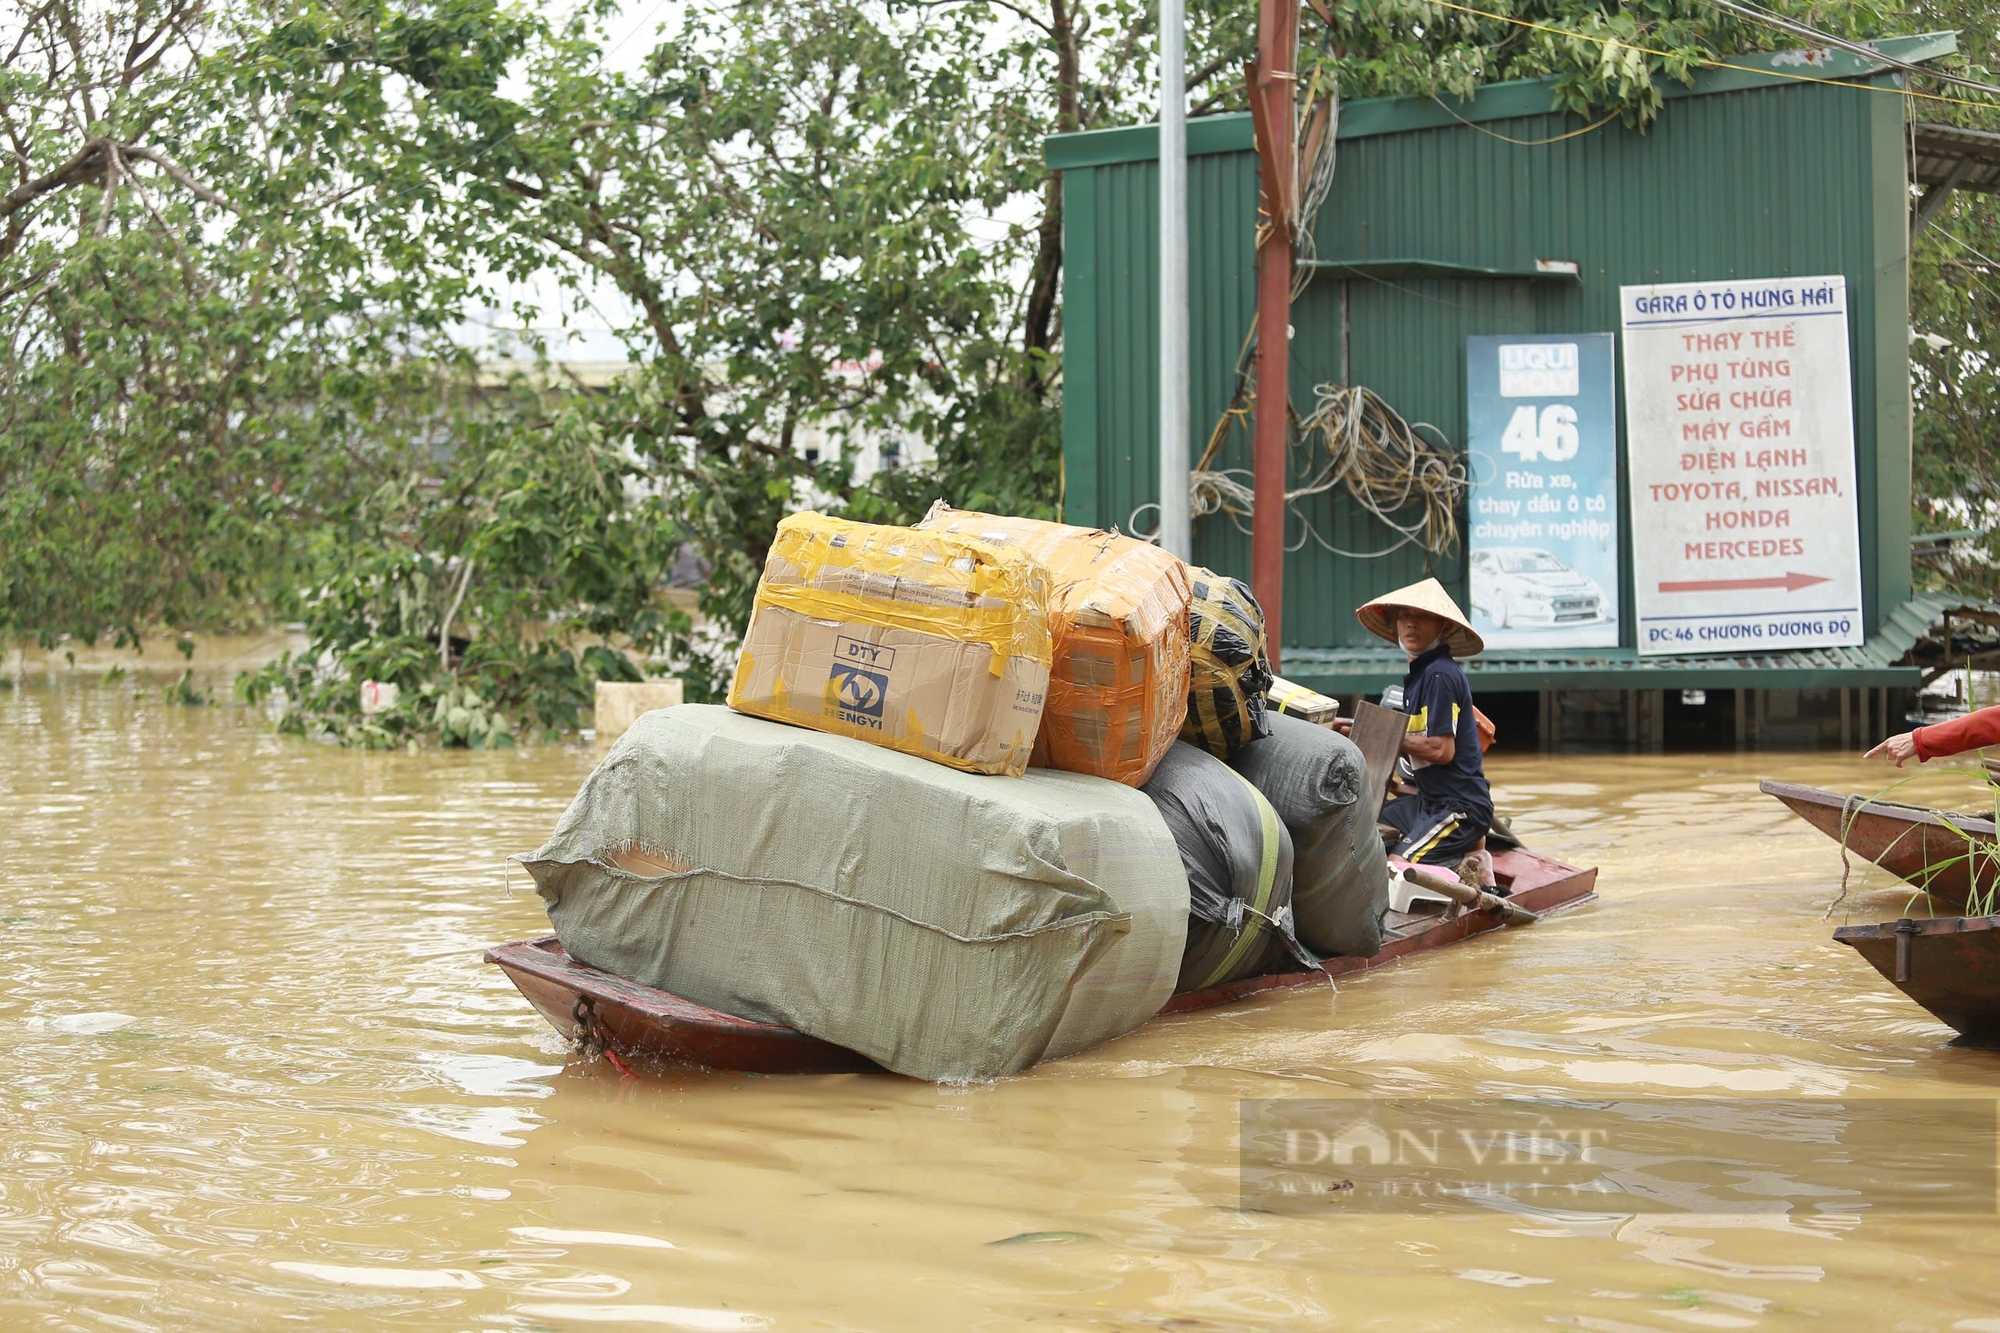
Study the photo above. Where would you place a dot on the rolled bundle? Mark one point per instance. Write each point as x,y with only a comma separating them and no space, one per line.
1316,780
1238,859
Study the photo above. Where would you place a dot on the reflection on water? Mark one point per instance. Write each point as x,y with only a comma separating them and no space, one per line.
257,1073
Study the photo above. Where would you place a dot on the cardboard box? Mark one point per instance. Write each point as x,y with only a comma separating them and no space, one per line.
1118,611
1300,702
929,643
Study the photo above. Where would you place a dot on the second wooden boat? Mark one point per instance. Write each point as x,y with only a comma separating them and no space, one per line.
628,1019
1946,855
1949,965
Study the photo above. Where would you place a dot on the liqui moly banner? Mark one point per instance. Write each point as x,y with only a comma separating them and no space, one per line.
1740,446
1542,422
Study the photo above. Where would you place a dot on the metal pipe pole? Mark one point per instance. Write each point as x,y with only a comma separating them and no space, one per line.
1277,59
1175,534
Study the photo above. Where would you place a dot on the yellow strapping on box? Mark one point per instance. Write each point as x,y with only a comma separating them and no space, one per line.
930,582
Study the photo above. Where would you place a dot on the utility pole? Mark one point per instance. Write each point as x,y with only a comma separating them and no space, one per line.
1175,534
1273,77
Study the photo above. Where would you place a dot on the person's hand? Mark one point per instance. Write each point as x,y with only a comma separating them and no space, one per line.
1343,725
1900,748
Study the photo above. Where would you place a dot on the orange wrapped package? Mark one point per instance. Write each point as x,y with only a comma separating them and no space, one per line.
1118,614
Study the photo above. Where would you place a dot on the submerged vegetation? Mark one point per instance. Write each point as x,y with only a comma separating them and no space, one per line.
245,246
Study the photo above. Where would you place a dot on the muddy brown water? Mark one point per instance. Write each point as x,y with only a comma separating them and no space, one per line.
257,1076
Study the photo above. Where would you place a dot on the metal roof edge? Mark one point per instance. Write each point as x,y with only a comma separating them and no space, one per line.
1873,663
1683,675
1230,132
1437,268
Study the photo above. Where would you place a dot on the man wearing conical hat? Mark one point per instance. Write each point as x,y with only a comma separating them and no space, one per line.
1446,821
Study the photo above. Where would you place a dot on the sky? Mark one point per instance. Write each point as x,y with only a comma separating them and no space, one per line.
588,335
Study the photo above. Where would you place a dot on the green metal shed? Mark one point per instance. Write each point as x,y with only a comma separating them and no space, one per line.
1439,213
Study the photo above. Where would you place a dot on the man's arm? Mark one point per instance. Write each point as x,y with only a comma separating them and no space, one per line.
1430,749
1970,732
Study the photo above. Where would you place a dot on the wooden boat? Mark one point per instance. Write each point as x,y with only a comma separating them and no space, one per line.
1950,965
628,1019
1929,848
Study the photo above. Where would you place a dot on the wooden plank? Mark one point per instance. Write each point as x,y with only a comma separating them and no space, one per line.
1378,733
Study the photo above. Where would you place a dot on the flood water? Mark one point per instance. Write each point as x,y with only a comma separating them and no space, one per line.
256,1075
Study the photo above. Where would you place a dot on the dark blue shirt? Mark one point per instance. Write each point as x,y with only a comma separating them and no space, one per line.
1439,702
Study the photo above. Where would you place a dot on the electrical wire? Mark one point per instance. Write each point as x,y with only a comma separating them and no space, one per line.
1384,462
1523,143
1387,464
1316,174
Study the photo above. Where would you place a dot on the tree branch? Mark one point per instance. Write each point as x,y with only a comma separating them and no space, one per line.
87,164
180,174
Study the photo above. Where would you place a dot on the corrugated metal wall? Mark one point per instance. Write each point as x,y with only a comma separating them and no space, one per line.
1111,240
1790,179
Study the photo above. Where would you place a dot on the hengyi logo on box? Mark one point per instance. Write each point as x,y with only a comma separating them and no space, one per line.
860,679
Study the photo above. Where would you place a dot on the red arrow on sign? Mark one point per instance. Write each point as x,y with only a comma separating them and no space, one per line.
1789,582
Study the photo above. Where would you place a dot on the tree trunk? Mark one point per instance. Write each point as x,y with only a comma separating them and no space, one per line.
1038,333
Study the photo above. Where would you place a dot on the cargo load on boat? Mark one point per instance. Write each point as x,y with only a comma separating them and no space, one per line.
1118,614
931,643
946,925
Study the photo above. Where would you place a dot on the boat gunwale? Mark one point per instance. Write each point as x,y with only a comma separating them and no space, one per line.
1547,898
1923,925
1951,821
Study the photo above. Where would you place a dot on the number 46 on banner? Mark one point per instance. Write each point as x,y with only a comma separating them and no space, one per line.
1551,436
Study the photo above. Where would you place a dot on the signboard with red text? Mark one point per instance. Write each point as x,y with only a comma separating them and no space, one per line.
1740,449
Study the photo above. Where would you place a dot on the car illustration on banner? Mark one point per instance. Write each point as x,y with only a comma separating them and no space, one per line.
1519,587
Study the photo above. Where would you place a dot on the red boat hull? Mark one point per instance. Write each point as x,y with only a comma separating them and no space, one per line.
639,1020
1928,848
579,1001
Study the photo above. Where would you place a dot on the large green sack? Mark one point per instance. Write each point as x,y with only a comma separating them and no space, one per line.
1317,780
947,925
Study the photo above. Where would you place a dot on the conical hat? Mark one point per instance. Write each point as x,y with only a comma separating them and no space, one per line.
1379,616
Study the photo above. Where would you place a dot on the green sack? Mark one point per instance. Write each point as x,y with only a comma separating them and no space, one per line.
1238,859
1317,781
947,925
1229,666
